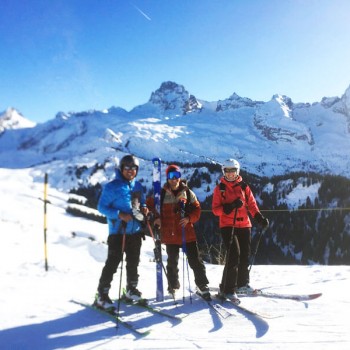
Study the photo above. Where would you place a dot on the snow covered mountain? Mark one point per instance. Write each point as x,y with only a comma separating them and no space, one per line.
268,138
295,156
12,119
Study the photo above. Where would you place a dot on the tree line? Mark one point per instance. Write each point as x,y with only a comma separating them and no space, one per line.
315,231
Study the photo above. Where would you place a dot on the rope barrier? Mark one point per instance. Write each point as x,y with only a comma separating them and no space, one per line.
291,210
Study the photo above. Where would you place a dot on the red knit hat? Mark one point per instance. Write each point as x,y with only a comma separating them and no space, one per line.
172,167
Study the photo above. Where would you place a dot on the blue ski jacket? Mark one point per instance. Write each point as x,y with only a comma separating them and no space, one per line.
118,196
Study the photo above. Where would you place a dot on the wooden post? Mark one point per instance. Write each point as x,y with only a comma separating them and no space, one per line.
45,220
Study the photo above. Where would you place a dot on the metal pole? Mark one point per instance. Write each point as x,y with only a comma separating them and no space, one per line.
45,220
228,251
123,223
252,259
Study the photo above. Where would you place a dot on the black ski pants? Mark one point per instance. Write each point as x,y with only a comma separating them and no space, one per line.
238,246
194,260
115,254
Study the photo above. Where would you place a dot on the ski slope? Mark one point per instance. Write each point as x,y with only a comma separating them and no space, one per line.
37,312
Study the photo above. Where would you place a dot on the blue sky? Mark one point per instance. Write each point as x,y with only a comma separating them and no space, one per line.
75,55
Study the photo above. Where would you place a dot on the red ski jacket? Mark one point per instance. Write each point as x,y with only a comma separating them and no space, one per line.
229,191
171,231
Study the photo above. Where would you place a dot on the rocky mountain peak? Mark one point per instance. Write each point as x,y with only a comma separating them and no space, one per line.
174,97
13,119
235,101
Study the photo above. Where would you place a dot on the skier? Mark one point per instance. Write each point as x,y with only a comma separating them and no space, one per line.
122,202
232,201
180,209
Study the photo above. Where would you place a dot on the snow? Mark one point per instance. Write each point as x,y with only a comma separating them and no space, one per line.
37,312
12,119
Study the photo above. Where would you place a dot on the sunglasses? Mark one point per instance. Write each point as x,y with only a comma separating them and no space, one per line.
127,167
174,175
230,170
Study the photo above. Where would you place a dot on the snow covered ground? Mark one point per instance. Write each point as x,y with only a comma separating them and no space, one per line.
37,312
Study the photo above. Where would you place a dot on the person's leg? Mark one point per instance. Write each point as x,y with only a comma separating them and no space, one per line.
196,264
229,276
244,239
172,266
113,259
133,244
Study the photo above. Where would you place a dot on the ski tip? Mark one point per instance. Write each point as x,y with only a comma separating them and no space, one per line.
145,333
135,331
315,296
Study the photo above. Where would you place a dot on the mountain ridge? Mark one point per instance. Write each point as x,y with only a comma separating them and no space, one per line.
268,138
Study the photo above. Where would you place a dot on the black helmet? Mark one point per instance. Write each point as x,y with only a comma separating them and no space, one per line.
129,160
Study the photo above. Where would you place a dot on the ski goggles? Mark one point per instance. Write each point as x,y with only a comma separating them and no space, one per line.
174,175
230,170
130,167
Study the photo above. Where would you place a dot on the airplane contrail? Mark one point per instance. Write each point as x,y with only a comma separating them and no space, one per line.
142,13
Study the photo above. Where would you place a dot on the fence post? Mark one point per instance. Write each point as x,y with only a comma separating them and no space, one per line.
45,221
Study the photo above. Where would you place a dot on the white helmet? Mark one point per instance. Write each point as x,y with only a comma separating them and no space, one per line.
230,164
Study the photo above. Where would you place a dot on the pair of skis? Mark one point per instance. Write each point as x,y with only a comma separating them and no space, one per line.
259,292
239,307
156,176
262,293
221,310
112,314
114,317
143,303
296,297
225,312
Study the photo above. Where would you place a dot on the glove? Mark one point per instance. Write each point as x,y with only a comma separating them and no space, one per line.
261,220
137,215
237,203
228,207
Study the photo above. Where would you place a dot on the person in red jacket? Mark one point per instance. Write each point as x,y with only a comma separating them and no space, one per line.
180,209
233,201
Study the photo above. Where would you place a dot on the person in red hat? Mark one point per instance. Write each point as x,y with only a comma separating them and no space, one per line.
180,209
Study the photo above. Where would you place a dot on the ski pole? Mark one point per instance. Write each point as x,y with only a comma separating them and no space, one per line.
123,223
228,251
184,252
252,259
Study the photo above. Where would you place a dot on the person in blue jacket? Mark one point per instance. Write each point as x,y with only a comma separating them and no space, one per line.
122,201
